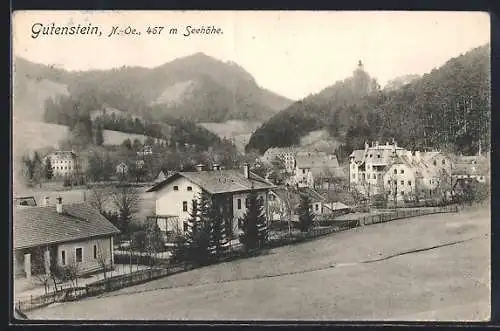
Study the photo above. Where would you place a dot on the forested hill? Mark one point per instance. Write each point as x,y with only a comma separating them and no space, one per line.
448,108
197,88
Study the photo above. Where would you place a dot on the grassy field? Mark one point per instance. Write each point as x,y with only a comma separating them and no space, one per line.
434,267
240,131
36,135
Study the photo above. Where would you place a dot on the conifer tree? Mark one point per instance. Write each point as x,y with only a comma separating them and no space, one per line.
218,232
49,172
253,224
306,217
197,234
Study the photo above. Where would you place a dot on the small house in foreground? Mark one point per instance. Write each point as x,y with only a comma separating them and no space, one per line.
58,236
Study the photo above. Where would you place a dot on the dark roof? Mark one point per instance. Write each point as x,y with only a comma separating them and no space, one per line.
25,201
43,225
219,181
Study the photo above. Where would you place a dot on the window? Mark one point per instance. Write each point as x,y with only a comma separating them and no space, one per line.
409,183
303,171
378,156
374,176
79,254
247,202
443,161
395,171
95,252
184,206
239,203
185,226
189,188
388,182
435,163
176,188
402,171
371,155
63,257
317,207
402,182
395,182
402,192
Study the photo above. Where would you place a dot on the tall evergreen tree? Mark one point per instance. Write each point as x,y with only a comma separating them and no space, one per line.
253,223
219,238
49,172
197,236
306,217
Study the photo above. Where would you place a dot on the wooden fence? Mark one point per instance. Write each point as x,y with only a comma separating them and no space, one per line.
142,276
405,213
97,288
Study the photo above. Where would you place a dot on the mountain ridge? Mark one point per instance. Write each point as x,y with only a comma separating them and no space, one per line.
418,112
236,90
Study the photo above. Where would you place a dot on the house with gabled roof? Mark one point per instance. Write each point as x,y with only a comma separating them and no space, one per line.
228,189
46,237
285,201
315,168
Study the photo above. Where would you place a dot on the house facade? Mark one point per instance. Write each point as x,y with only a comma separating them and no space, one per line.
64,163
398,173
472,167
121,169
228,189
284,202
285,154
315,169
60,235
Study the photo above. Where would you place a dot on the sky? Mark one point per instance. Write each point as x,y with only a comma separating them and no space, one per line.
293,53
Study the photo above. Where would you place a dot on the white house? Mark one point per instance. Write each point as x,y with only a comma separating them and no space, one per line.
228,188
64,163
285,154
380,169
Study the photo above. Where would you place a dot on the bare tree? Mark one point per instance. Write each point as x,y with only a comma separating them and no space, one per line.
126,200
98,198
102,258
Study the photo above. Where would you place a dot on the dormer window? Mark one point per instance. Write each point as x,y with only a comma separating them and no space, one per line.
176,188
189,188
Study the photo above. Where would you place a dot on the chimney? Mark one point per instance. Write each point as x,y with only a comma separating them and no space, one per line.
387,143
59,206
45,201
376,143
215,166
246,172
366,145
199,167
373,144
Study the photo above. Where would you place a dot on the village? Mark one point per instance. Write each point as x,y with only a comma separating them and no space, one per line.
267,172
79,240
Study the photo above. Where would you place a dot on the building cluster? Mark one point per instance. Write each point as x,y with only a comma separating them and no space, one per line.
402,175
313,169
55,235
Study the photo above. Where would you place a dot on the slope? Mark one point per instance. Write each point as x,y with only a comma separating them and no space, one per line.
448,108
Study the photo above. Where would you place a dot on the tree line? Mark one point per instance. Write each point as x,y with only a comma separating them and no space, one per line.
448,108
